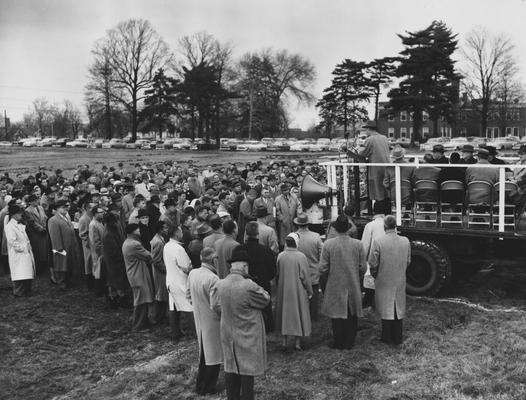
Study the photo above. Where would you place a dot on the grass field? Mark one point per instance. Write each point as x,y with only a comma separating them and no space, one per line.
69,345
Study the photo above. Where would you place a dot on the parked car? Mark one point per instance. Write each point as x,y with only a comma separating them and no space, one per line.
324,143
139,144
30,142
504,143
183,144
4,144
96,144
428,146
338,145
403,142
168,144
456,144
78,143
521,142
278,145
46,142
114,143
61,142
255,145
477,141
315,147
301,145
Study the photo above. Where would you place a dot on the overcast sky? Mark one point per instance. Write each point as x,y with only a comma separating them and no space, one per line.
45,44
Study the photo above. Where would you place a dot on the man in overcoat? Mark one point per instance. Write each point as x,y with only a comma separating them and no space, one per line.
159,270
343,257
200,284
84,221
266,234
64,245
287,207
95,234
240,301
376,151
36,227
224,248
389,258
137,260
261,266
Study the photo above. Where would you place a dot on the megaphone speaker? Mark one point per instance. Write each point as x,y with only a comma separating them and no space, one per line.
311,191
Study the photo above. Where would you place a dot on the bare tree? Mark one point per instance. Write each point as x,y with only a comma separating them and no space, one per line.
44,114
487,59
134,51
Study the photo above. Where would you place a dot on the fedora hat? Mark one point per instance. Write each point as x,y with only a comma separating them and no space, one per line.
203,229
398,153
261,211
239,254
301,219
467,148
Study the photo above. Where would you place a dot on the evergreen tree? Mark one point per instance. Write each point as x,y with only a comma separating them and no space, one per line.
429,81
160,103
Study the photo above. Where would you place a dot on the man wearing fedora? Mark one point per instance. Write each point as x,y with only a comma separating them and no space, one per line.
261,266
438,154
266,234
342,258
310,245
389,257
467,155
492,156
196,245
240,302
490,175
287,207
224,248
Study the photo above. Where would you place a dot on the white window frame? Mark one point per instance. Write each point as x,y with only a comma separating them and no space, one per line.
516,131
425,116
508,130
403,132
411,117
403,116
425,130
391,132
516,115
390,117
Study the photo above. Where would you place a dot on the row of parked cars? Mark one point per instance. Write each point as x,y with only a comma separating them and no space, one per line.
455,144
284,144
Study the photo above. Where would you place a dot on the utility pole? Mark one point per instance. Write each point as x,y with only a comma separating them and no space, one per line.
5,124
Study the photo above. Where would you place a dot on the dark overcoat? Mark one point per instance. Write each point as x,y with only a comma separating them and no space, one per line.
63,237
138,260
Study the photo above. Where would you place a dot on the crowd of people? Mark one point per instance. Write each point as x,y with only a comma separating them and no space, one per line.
208,246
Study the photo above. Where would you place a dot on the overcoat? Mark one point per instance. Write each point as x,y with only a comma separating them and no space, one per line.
36,221
389,258
63,237
178,265
21,261
96,232
137,260
286,210
224,248
207,321
377,151
158,268
267,237
240,301
84,222
342,257
310,244
112,242
294,289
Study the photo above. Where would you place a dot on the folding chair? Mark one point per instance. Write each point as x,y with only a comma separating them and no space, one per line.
426,202
452,195
509,206
479,204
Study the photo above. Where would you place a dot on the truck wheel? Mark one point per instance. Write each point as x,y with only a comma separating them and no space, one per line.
429,271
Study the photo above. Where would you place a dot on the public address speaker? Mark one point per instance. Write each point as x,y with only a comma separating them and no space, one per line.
312,191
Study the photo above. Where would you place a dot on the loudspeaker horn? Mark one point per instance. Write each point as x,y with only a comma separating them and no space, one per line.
312,191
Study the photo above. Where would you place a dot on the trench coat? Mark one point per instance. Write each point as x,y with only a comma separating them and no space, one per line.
63,237
21,261
286,210
240,301
158,268
342,257
112,242
294,289
389,258
207,321
137,260
178,265
84,222
377,151
96,232
224,248
36,221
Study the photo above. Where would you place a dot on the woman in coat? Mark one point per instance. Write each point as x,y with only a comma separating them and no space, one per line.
21,261
294,292
116,279
36,221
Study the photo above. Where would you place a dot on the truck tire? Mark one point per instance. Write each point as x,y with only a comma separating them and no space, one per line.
429,271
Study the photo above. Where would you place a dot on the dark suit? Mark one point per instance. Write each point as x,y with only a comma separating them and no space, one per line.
430,174
262,269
